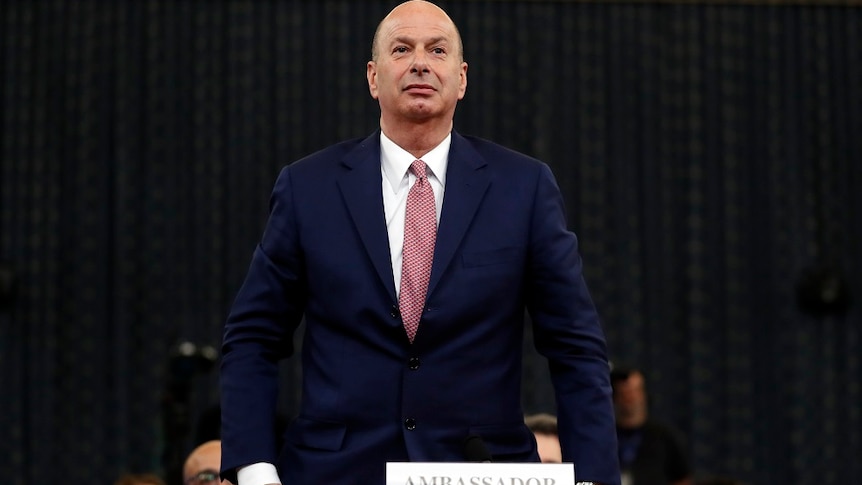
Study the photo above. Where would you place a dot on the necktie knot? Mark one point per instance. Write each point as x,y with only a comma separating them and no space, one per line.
418,169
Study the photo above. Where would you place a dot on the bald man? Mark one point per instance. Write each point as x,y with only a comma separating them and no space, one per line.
544,426
202,465
412,255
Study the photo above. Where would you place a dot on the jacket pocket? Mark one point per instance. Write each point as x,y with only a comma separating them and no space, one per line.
316,434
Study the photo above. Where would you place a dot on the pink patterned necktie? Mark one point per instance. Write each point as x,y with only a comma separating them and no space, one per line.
420,233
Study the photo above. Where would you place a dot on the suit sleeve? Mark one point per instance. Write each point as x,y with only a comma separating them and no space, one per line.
567,331
258,334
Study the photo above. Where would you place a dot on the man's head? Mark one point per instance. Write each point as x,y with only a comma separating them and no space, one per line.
544,427
630,398
202,465
375,43
417,72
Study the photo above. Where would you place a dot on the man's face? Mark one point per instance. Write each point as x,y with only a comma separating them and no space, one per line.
202,466
417,73
630,402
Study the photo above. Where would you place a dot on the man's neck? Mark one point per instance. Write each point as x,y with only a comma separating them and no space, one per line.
417,138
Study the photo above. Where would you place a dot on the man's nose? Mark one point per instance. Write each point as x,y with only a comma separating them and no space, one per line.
420,61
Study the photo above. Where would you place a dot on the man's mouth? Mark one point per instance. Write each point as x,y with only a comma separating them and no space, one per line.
420,88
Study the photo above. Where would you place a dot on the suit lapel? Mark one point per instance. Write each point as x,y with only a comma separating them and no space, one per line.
467,179
361,187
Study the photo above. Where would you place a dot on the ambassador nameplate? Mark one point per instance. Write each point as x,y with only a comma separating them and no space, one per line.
422,473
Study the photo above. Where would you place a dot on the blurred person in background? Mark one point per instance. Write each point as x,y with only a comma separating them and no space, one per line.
202,465
544,427
650,452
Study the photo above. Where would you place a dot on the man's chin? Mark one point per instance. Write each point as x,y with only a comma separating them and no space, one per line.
421,115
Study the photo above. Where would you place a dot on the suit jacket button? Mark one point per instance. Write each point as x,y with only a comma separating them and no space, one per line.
413,363
410,424
394,312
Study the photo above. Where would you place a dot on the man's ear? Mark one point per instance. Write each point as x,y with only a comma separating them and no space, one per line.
371,75
462,89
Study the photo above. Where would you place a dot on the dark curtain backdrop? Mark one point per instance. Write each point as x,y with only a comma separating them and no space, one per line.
709,155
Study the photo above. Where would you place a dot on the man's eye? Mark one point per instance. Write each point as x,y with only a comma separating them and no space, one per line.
400,49
438,50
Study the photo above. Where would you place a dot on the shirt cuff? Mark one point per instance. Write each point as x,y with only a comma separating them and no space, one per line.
257,474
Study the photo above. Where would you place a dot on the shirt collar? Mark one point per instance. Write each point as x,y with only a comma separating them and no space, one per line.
396,160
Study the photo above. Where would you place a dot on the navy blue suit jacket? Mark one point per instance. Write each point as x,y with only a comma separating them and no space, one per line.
370,396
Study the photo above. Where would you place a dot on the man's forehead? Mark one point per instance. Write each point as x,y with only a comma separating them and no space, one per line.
417,15
418,27
409,39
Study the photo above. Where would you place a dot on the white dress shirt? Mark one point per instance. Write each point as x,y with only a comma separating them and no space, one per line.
396,179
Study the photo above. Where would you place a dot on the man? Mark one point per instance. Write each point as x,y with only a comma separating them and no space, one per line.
412,254
202,464
650,452
544,427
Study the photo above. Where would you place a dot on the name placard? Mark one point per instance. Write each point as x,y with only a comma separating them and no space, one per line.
404,473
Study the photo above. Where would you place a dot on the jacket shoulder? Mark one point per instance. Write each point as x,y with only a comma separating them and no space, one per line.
332,153
496,152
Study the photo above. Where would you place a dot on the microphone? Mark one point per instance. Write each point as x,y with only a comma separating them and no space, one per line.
475,450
